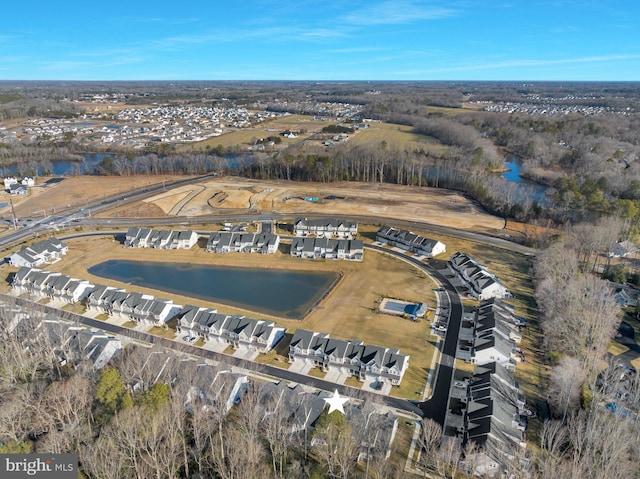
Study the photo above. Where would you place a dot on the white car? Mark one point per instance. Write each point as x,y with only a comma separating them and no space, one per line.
460,384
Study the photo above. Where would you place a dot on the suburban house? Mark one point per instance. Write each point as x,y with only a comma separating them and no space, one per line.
45,251
73,344
18,190
626,296
227,242
351,357
160,239
378,429
409,241
495,417
481,283
327,228
239,331
313,248
211,386
10,180
52,285
623,249
28,181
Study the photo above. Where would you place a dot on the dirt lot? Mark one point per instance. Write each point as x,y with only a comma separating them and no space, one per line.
429,205
74,192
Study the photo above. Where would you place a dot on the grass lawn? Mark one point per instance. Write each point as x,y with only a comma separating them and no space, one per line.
199,342
229,350
402,444
615,348
76,308
103,317
636,363
168,333
317,373
130,324
353,382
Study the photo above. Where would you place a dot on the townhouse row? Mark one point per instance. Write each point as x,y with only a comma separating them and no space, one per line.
232,242
160,239
491,334
237,330
411,242
314,248
42,252
326,227
481,283
495,418
351,357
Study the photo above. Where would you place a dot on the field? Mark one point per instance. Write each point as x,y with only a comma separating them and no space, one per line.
397,136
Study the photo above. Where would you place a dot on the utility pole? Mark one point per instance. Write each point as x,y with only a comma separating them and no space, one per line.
13,214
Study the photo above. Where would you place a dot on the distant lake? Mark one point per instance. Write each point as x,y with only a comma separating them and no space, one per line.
284,293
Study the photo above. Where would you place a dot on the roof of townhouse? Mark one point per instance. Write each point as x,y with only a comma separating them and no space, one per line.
372,355
336,347
302,338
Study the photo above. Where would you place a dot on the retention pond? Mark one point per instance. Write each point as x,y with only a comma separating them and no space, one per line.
285,293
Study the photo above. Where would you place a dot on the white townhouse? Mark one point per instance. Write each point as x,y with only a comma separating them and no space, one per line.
481,283
45,251
53,285
11,180
328,228
160,239
411,242
313,248
228,242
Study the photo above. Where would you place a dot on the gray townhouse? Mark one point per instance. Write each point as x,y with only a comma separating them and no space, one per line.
481,283
43,252
315,248
328,228
236,242
352,357
495,417
238,331
408,241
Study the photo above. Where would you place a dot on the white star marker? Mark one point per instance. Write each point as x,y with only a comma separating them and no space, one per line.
335,402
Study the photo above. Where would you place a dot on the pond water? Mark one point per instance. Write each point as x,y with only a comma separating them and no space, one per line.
284,293
529,189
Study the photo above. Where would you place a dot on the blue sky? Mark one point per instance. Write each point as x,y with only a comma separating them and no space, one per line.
321,40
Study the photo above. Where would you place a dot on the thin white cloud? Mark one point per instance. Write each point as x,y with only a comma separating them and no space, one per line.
397,12
522,63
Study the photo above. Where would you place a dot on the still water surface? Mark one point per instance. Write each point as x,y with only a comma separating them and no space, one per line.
284,293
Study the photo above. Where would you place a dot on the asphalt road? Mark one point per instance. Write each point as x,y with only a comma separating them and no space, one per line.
401,404
436,407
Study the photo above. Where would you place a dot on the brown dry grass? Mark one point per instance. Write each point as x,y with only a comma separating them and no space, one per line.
76,192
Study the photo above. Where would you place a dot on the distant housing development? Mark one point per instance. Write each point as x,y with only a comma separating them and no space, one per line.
352,357
42,252
481,283
409,241
313,248
227,242
328,228
162,239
